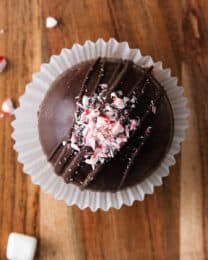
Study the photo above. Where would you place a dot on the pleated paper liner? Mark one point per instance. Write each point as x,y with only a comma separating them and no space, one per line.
26,136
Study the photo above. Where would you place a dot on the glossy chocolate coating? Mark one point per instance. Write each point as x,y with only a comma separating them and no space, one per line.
56,117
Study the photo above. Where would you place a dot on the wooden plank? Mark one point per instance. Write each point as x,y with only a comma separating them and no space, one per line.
193,220
19,198
191,214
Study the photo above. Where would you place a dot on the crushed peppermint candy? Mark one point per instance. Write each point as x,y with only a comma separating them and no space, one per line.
148,130
119,103
103,127
153,107
3,63
64,143
7,107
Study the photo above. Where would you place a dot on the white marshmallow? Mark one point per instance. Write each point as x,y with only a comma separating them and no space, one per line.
21,247
51,22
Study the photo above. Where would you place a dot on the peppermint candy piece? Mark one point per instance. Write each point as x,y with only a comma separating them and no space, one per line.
51,22
7,107
3,63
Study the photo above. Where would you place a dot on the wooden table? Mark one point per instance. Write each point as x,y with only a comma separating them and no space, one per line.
171,224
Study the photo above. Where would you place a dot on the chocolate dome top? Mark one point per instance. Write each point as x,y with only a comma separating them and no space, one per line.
105,124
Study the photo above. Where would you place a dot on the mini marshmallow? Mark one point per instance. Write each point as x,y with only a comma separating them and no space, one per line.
21,247
7,107
51,22
3,63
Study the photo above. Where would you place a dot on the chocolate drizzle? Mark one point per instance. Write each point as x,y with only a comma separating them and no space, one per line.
54,151
63,158
130,161
67,161
89,74
91,176
139,143
115,72
118,78
73,165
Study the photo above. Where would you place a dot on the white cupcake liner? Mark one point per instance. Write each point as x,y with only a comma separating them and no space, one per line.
26,135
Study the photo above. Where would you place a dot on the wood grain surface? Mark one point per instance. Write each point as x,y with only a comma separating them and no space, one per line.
169,225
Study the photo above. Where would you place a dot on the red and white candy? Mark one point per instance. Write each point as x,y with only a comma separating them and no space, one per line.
7,107
101,126
3,63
